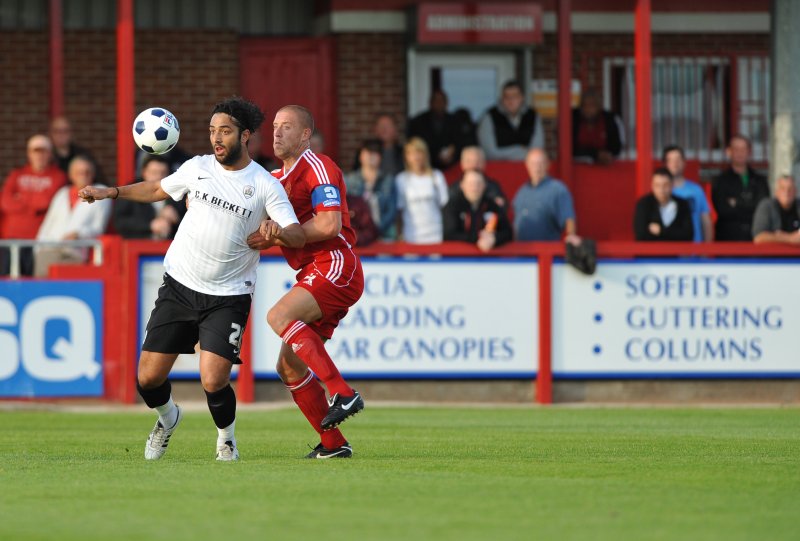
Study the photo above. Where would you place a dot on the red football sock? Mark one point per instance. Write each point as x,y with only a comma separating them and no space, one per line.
309,396
307,345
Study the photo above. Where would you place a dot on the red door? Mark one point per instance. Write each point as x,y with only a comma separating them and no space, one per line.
300,71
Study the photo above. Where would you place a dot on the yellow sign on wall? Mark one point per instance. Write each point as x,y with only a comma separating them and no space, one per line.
544,96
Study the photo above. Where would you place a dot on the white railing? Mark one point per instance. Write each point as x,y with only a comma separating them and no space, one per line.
14,246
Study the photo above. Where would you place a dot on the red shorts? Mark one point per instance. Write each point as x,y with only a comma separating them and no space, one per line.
336,282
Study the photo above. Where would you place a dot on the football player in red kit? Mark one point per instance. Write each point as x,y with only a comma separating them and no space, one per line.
330,280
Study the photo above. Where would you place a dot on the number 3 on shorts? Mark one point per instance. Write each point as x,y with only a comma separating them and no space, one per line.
235,339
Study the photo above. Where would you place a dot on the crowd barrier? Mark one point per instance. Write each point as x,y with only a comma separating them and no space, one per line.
652,310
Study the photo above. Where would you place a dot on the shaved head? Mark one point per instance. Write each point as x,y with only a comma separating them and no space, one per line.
304,115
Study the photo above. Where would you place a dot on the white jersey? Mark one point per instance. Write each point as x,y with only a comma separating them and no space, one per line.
420,198
209,253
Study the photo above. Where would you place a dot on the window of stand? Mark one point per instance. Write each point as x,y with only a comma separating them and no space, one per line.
698,102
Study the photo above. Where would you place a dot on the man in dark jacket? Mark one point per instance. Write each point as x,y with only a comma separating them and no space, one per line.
736,193
157,221
509,129
471,216
595,133
661,216
440,130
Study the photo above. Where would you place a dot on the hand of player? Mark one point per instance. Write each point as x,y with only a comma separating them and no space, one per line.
654,228
90,194
256,241
270,230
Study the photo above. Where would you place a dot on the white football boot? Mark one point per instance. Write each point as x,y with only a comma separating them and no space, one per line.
158,439
227,452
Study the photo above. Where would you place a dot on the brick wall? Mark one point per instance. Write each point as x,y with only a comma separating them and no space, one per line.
24,80
186,72
372,79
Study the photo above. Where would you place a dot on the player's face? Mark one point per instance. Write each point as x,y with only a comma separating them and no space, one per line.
289,136
226,139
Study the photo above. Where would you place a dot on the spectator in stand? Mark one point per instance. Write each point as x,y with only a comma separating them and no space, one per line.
439,129
64,148
385,130
777,219
361,220
174,157
474,159
596,133
255,147
27,193
317,143
68,219
472,216
467,136
157,221
509,129
660,215
675,161
543,208
377,189
421,194
736,192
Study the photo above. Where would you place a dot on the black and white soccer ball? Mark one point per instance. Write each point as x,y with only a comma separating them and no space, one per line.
156,130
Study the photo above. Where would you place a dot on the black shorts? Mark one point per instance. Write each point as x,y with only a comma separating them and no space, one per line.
182,317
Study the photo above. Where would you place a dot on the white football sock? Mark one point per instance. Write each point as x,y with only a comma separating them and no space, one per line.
226,434
167,414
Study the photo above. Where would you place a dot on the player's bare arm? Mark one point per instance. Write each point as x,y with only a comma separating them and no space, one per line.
142,192
270,233
323,226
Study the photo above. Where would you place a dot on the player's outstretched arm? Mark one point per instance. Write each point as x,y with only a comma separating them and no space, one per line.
142,192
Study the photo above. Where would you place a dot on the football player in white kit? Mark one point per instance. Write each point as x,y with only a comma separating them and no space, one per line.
210,270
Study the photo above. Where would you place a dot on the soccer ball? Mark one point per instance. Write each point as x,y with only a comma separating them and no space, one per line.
156,130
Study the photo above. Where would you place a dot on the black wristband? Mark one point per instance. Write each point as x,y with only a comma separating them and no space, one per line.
117,194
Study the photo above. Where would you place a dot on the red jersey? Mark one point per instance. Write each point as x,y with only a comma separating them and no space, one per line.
315,184
26,198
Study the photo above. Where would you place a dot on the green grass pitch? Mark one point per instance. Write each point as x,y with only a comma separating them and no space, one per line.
418,474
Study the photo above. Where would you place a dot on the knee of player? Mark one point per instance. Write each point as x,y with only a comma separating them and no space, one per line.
214,383
149,380
277,319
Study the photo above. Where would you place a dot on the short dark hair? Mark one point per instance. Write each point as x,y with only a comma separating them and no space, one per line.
663,171
742,137
306,118
245,114
155,158
672,148
373,145
513,83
